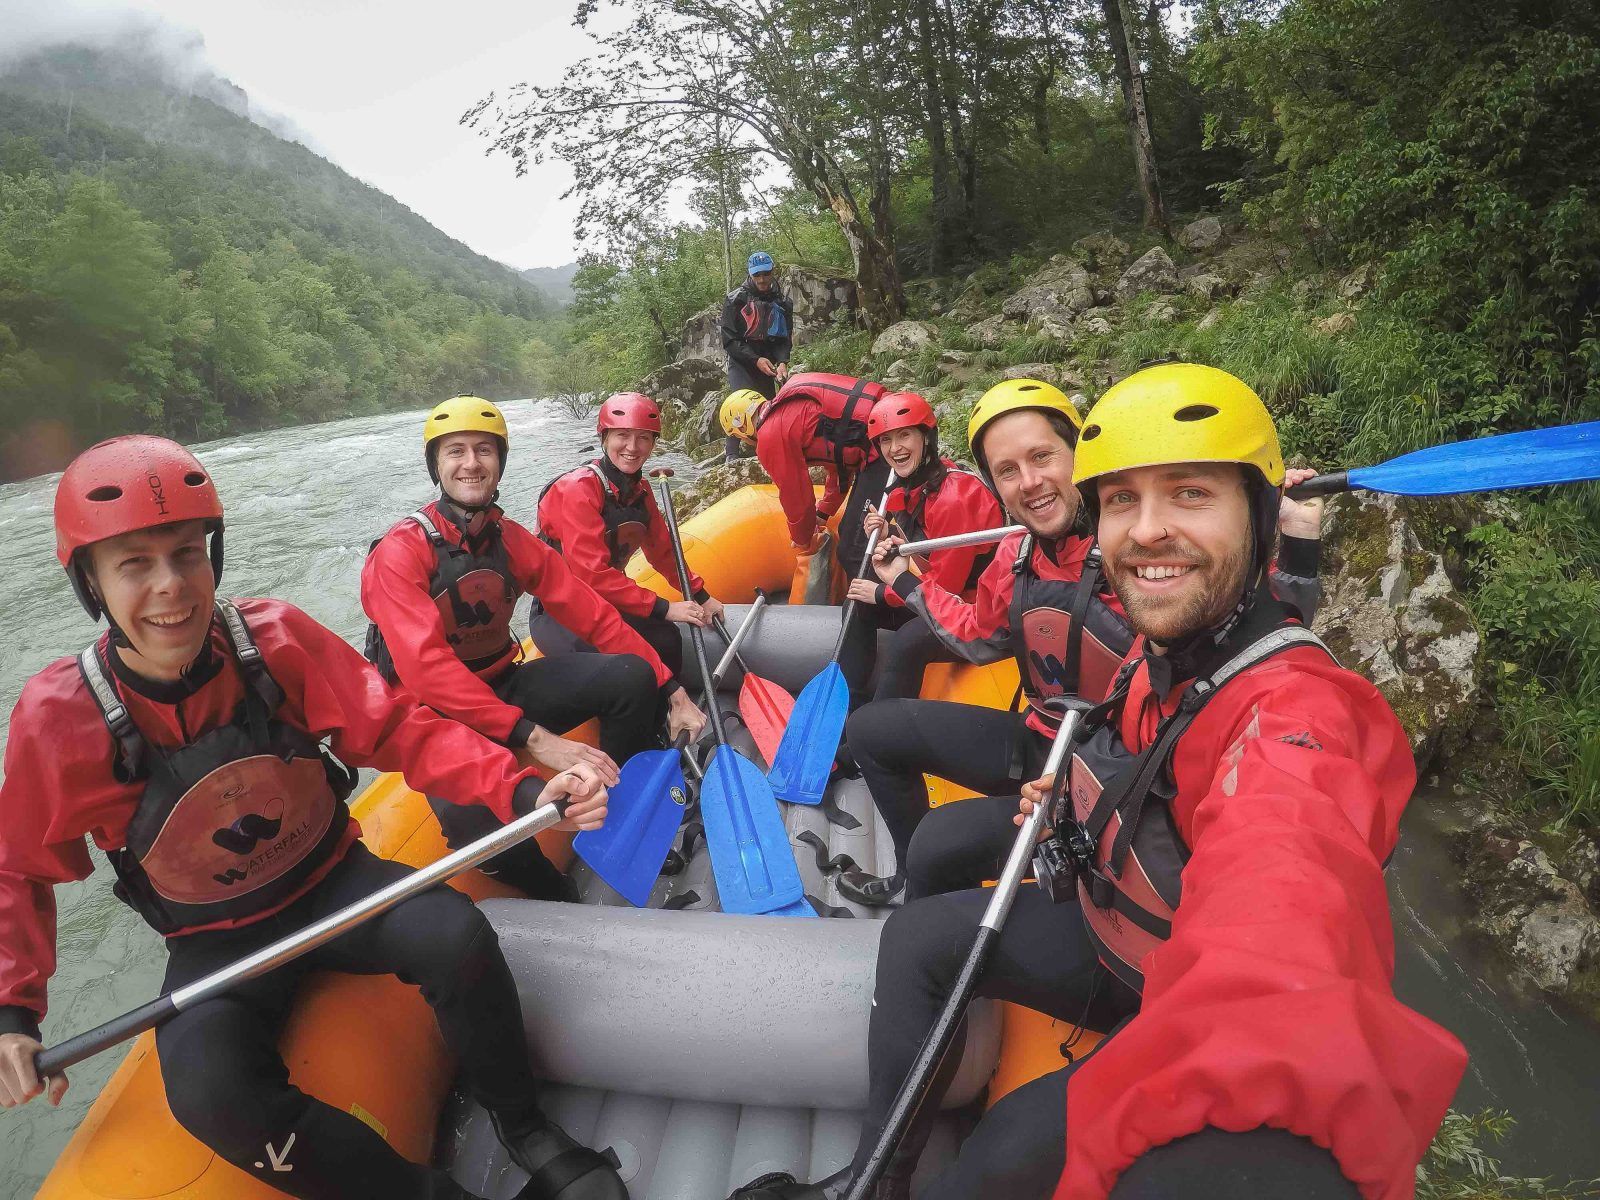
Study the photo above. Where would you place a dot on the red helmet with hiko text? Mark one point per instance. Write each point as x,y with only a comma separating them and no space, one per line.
126,484
629,410
900,410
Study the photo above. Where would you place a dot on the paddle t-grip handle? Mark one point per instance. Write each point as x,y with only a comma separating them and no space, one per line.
661,473
1321,485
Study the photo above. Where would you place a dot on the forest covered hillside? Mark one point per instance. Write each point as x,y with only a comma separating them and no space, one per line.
168,264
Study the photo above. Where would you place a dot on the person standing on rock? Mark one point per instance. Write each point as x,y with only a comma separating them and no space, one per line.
929,496
1045,600
440,587
189,742
595,516
1212,876
815,419
757,327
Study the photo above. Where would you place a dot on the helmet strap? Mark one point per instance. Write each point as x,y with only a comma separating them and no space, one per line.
624,481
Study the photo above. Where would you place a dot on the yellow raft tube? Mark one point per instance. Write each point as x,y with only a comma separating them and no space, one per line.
369,1044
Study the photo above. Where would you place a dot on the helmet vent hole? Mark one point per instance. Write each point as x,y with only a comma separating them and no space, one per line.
1194,412
487,415
1029,387
1090,433
194,479
109,492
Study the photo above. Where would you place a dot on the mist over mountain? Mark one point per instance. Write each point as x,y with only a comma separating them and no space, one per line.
553,282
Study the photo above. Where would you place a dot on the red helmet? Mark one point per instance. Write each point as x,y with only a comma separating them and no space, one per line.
630,410
128,483
900,410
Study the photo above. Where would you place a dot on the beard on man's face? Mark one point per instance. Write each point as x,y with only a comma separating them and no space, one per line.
1214,591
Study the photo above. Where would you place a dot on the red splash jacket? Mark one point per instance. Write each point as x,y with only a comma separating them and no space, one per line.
1272,1002
787,446
571,514
59,784
958,503
394,593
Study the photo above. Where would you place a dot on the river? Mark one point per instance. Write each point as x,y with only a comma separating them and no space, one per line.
303,504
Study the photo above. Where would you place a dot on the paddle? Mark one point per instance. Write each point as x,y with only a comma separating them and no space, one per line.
915,1088
645,808
74,1050
805,756
750,853
1532,458
764,706
973,537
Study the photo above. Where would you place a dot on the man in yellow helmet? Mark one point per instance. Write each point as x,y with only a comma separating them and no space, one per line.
1045,601
1212,887
440,588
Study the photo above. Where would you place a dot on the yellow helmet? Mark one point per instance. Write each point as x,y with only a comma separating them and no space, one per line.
1177,413
739,413
463,414
1017,395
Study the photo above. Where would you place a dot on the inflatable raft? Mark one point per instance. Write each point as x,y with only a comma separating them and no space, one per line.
705,1048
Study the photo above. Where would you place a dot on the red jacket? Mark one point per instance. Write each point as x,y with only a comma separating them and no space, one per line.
569,513
394,593
59,785
959,504
1272,1002
787,447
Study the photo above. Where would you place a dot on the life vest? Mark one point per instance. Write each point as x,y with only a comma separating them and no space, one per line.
1126,851
909,504
846,403
1069,640
234,823
763,320
476,595
626,524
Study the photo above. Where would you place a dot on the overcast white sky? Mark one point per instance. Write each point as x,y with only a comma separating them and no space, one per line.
378,85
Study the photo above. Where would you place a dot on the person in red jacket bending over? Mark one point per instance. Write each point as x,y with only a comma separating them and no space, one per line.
440,588
597,515
929,496
188,743
1214,873
815,420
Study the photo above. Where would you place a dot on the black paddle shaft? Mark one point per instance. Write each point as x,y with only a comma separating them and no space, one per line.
1321,485
934,1047
866,560
696,635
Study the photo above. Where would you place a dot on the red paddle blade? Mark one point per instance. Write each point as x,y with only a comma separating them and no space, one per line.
765,708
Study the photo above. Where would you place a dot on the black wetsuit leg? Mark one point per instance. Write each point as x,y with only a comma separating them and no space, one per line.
907,656
560,694
227,1083
741,377
1043,959
859,652
895,741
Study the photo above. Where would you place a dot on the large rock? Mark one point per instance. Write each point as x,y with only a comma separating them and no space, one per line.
1103,251
1390,611
990,333
1205,286
703,426
818,301
1063,377
906,337
714,483
1151,272
1204,234
684,381
1059,291
1359,282
1537,914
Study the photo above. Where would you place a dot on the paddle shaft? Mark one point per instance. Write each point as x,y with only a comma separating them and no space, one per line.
918,1080
696,635
1321,485
866,561
732,655
977,537
147,1016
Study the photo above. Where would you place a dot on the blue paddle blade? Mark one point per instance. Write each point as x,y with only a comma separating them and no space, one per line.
644,811
750,852
811,739
1534,458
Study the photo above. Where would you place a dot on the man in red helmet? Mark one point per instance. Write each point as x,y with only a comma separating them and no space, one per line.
440,588
188,742
595,516
929,496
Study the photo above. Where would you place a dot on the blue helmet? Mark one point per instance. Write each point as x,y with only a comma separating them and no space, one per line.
759,261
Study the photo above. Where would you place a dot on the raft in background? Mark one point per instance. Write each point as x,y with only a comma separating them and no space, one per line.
369,1045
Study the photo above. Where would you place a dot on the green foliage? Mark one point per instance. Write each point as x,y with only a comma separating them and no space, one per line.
1458,1167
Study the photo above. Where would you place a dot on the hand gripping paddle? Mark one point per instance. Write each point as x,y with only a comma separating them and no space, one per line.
805,757
750,853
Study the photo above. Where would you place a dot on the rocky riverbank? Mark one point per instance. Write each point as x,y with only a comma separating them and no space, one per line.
1393,570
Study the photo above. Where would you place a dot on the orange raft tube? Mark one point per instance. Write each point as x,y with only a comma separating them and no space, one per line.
369,1044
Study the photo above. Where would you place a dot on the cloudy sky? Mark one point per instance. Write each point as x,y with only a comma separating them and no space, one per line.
378,86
